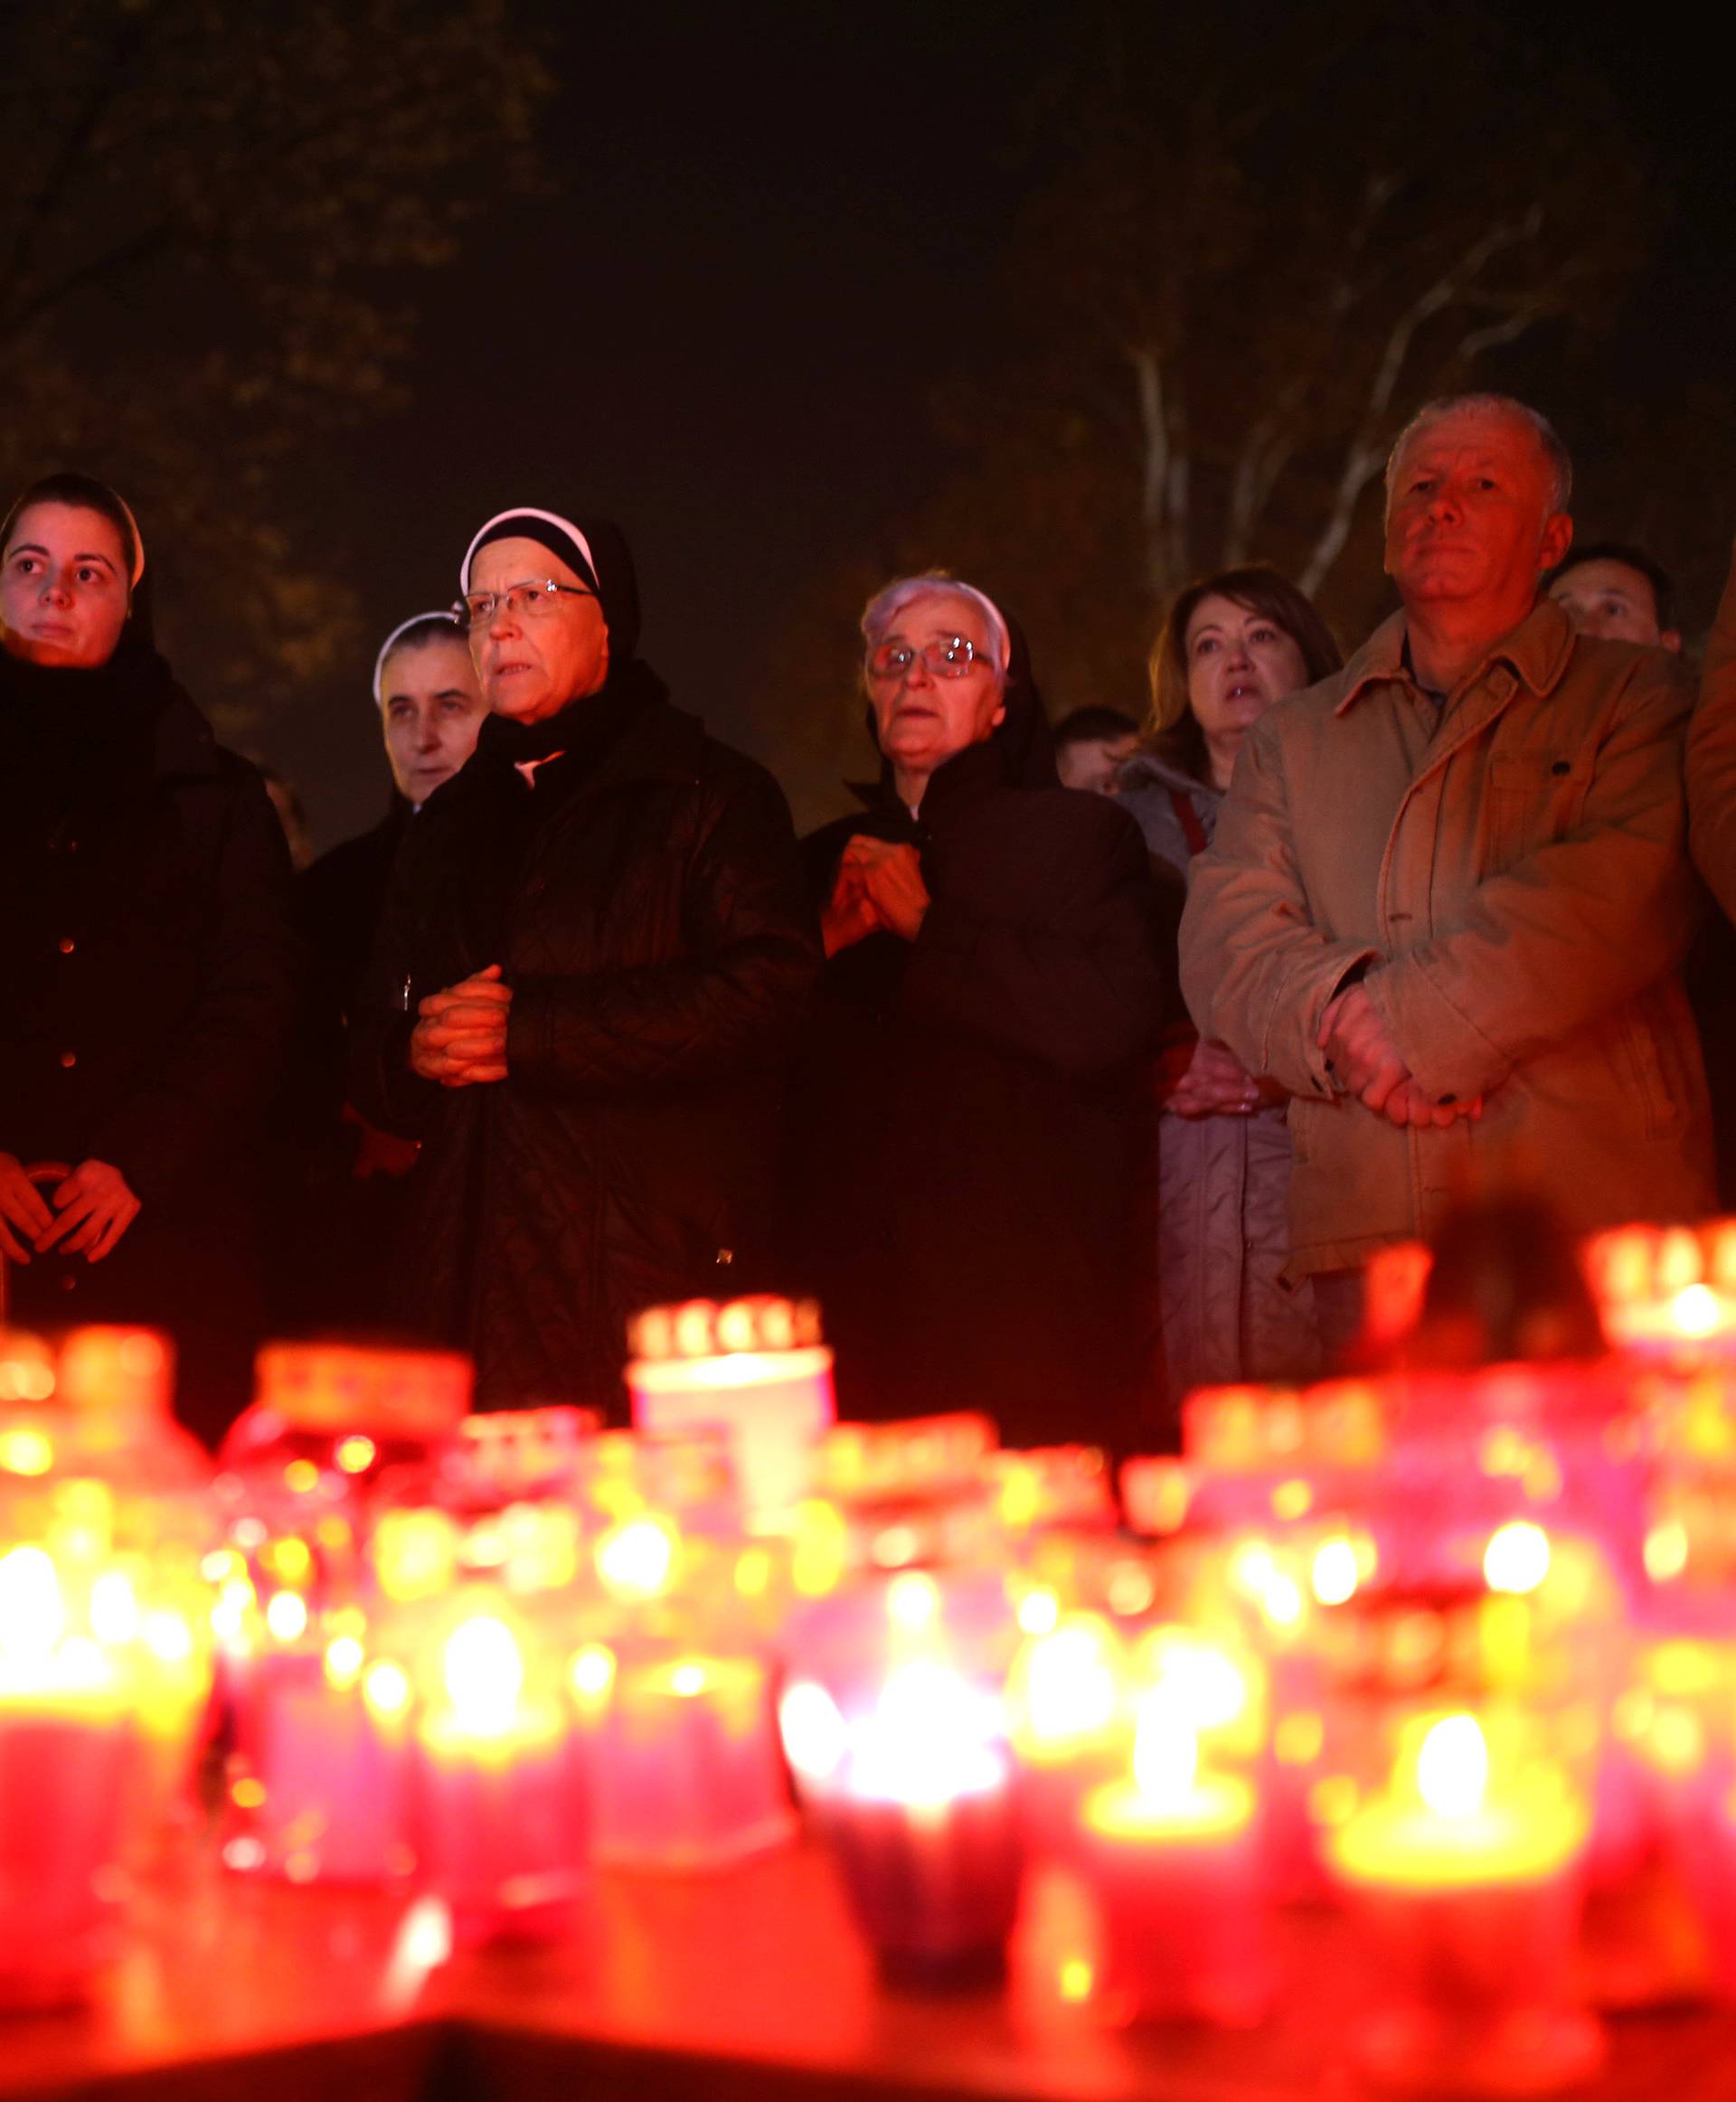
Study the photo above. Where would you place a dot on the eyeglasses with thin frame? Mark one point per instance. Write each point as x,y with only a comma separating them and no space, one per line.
947,659
531,597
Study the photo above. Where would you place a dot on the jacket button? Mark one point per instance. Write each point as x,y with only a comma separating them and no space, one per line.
1561,767
1447,1101
68,1058
67,944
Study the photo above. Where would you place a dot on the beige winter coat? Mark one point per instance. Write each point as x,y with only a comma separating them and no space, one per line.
1712,758
1511,870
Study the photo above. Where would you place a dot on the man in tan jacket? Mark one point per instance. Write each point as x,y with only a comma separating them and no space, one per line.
1448,894
1712,758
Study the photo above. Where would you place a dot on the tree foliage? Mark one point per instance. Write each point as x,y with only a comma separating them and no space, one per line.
213,219
1266,238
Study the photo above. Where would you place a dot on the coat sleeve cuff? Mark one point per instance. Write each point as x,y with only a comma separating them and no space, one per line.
1307,995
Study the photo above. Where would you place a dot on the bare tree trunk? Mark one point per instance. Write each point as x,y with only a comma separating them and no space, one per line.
1166,484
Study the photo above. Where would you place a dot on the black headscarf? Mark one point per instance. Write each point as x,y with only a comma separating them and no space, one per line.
596,550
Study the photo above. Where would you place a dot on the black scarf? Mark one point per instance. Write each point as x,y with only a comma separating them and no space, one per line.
582,731
72,739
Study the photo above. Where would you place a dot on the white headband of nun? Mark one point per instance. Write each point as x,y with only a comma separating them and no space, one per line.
396,636
138,538
525,510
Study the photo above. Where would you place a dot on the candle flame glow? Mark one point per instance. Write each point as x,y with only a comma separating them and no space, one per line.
25,1451
1070,1687
1165,1752
1039,1611
386,1689
1334,1574
816,1736
167,1636
287,1615
1517,1559
344,1657
483,1676
1697,1312
912,1601
33,1616
1197,1679
933,1736
114,1608
1453,1766
635,1560
592,1671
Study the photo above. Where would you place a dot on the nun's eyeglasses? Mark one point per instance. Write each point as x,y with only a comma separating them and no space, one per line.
950,659
532,599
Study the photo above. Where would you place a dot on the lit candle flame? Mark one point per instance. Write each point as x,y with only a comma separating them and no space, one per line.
1517,1559
932,1737
1165,1752
33,1616
1070,1687
635,1559
483,1676
1453,1766
816,1736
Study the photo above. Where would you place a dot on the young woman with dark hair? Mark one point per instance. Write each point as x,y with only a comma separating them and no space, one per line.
1234,644
148,965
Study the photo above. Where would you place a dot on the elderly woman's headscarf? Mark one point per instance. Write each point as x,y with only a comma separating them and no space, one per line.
594,549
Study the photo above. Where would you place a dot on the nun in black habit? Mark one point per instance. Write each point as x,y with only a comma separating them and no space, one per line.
967,1114
595,960
149,964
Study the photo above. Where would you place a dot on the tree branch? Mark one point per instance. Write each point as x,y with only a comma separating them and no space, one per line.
1363,450
114,263
73,148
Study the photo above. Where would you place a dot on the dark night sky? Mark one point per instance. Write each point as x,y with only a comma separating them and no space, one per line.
759,253
765,243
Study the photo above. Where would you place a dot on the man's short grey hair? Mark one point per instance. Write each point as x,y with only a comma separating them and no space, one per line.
1559,460
883,608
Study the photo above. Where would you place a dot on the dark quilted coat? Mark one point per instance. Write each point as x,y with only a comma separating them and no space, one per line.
969,1135
648,909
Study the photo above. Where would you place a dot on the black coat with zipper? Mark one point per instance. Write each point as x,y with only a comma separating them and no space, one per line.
149,975
646,906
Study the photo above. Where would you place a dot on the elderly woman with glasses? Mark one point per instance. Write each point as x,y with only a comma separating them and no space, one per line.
595,958
968,1103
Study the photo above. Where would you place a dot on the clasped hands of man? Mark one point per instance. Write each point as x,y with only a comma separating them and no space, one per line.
1366,1063
461,1037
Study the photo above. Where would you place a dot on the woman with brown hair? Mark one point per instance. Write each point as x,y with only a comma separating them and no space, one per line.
1233,645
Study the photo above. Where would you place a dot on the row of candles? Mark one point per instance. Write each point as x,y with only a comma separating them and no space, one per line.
1449,1652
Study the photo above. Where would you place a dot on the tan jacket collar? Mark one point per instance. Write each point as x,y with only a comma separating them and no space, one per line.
1537,650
